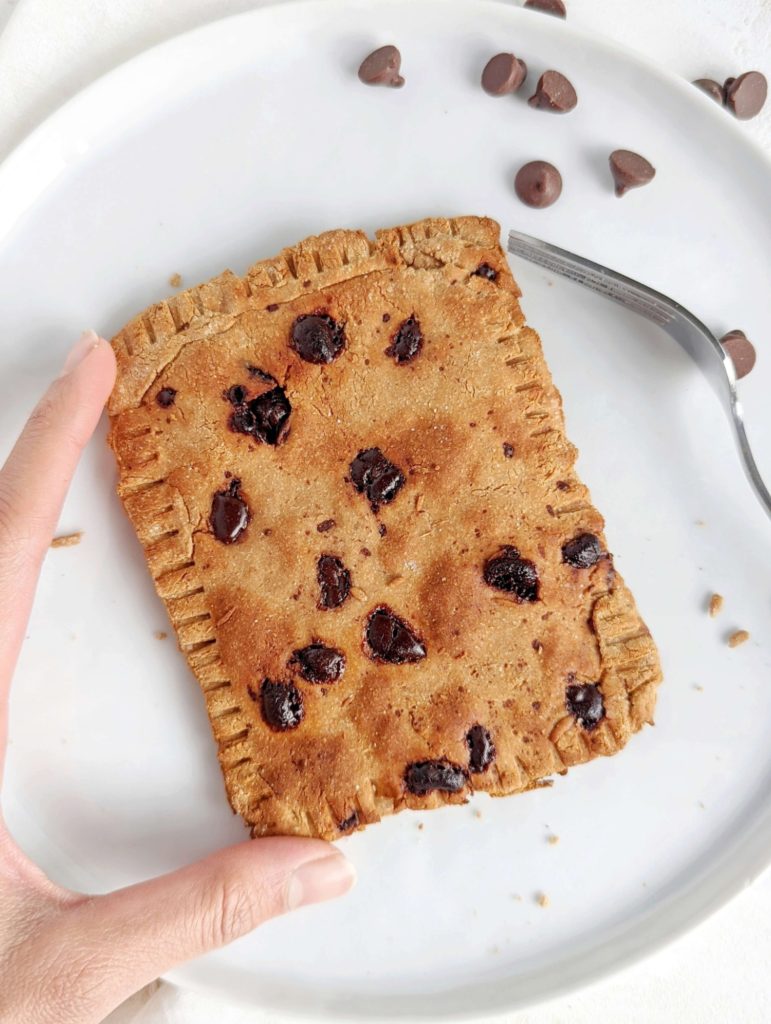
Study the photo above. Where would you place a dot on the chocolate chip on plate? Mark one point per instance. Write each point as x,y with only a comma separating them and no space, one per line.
318,663
229,514
711,88
485,271
584,702
334,581
556,7
391,639
583,551
166,397
554,92
481,748
629,170
376,476
741,350
381,67
746,95
538,184
407,342
281,704
503,73
515,575
424,777
317,338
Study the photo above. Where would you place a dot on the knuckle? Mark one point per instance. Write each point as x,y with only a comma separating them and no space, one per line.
232,910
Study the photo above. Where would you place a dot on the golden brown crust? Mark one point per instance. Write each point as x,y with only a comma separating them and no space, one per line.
240,610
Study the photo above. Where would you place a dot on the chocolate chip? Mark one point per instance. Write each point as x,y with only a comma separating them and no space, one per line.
503,73
391,639
265,418
562,485
376,476
407,342
741,350
386,317
382,529
166,397
554,92
317,663
334,581
317,338
349,823
328,524
513,574
282,705
229,514
537,646
481,748
486,271
711,88
629,170
381,67
583,551
746,95
424,777
508,450
258,374
538,184
584,702
236,394
556,7
271,307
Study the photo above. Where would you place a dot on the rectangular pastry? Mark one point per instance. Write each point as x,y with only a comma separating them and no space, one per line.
349,473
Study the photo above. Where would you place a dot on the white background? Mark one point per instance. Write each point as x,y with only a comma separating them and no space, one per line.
49,49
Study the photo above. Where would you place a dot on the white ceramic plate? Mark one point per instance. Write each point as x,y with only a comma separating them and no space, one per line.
217,149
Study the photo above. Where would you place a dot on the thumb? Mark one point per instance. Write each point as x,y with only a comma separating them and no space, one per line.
118,943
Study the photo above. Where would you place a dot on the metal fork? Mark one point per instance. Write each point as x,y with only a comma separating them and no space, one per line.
687,330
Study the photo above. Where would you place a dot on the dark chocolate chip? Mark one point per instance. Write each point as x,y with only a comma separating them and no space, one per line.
503,73
629,170
538,184
481,748
746,95
236,394
271,307
711,88
317,663
554,92
386,317
382,529
317,338
381,67
407,342
509,572
486,271
562,485
282,705
334,581
265,417
584,702
741,350
537,646
349,823
376,476
556,7
424,777
166,397
229,515
391,639
326,525
508,450
258,374
582,551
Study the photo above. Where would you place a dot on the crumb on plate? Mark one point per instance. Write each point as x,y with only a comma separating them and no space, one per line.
552,840
715,605
67,540
160,634
741,636
542,899
175,280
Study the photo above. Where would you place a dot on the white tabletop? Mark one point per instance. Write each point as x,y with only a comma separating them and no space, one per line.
49,50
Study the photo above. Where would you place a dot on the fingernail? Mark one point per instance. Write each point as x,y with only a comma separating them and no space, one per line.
85,344
320,879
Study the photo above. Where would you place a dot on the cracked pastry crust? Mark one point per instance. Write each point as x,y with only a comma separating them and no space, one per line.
475,425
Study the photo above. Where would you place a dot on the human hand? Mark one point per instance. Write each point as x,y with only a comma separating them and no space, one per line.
65,957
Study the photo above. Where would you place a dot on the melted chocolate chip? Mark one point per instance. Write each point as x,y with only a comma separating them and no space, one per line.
282,705
328,524
424,777
386,317
229,515
236,394
583,551
407,342
334,581
317,338
376,476
166,397
271,307
255,371
481,748
508,450
349,823
584,702
319,664
513,574
266,417
486,271
391,639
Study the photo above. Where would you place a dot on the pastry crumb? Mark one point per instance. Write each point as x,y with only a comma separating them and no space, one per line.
516,896
477,813
700,522
741,636
420,826
699,687
715,605
542,899
67,540
552,840
160,634
175,280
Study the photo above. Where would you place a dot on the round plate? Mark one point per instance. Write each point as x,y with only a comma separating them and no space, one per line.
217,149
